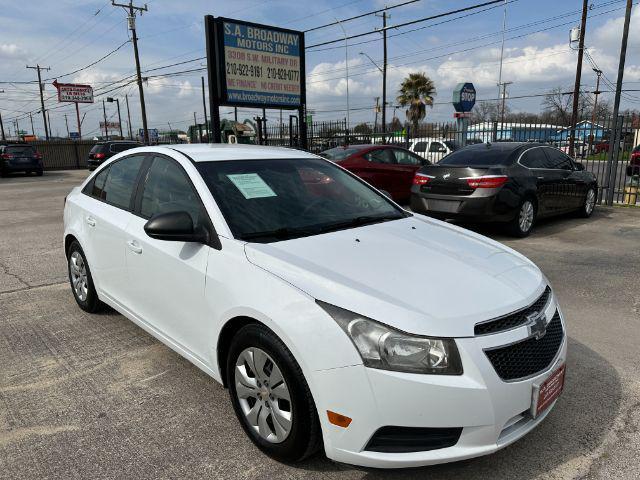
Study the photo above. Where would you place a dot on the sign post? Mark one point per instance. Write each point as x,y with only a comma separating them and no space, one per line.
74,93
255,66
464,98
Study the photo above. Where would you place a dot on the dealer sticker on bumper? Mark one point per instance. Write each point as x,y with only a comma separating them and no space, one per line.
548,391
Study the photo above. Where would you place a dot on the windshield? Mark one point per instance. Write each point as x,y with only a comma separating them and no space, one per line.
338,153
270,200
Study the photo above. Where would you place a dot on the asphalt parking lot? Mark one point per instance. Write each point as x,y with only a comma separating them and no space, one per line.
94,396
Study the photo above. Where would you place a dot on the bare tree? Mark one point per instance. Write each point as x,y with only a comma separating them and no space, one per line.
487,112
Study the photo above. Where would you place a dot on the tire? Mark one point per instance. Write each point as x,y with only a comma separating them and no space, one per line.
267,410
589,203
84,292
518,227
39,173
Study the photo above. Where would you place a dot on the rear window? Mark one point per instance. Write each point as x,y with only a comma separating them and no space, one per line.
339,153
97,148
20,150
479,156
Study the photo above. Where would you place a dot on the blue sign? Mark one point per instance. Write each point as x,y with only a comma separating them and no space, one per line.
260,65
464,97
74,135
153,133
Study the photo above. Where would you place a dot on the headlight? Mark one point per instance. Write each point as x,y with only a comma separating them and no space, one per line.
389,349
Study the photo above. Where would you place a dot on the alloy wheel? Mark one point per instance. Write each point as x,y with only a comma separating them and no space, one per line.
263,395
525,219
590,202
79,279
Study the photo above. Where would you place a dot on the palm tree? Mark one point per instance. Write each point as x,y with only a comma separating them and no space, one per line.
416,92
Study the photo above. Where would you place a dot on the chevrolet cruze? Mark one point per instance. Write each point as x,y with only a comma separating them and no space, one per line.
335,318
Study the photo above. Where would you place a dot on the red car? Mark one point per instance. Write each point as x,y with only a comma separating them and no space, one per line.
633,168
386,167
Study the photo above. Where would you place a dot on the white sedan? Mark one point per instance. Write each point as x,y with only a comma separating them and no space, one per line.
335,318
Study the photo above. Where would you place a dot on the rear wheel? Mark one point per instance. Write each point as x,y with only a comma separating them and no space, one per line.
270,395
522,223
81,281
589,204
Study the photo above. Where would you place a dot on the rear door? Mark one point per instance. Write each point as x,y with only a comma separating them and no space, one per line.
407,164
107,214
536,160
380,171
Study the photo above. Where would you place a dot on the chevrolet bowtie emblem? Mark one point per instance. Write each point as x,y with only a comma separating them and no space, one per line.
537,325
445,176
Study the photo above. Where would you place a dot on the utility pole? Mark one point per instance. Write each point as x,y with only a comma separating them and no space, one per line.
104,112
117,100
346,64
504,98
49,123
66,122
131,10
126,99
595,106
17,129
504,28
31,119
375,122
204,106
2,124
384,15
195,123
44,112
614,148
576,88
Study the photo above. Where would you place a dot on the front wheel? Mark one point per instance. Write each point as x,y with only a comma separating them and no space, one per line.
522,223
589,204
270,395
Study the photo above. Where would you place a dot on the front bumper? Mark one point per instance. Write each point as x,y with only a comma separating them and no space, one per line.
492,413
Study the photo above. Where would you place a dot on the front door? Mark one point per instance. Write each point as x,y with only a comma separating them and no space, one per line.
168,277
567,190
407,164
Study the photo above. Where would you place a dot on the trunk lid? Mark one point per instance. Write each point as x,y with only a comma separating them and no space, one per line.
451,180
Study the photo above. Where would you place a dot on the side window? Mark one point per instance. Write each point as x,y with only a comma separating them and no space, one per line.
167,189
558,160
420,147
94,187
534,158
437,147
406,158
383,155
120,181
120,147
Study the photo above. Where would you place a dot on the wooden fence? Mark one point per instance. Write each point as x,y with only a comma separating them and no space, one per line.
64,154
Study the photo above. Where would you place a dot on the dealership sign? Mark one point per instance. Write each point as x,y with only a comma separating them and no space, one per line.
257,65
74,92
112,126
464,97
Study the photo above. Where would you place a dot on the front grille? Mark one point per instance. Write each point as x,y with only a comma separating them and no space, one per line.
515,319
528,357
412,439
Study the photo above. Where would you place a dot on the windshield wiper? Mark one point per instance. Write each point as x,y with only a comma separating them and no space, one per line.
281,233
360,221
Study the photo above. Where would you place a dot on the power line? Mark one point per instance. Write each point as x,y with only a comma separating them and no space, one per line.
374,12
412,22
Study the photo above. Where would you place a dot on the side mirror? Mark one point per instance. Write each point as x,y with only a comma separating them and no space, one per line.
579,166
176,227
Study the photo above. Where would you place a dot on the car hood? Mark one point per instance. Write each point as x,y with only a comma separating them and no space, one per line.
418,275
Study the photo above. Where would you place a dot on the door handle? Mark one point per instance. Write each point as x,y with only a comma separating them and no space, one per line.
540,178
134,247
91,221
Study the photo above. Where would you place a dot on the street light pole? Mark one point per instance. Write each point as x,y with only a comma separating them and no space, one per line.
126,99
104,112
117,100
346,64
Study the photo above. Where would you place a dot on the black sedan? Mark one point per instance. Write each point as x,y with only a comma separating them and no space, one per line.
509,182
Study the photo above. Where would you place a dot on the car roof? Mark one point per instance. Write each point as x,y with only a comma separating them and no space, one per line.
503,146
211,152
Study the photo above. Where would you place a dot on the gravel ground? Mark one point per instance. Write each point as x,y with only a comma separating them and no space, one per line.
94,396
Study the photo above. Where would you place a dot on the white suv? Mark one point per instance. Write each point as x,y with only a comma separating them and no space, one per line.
334,317
433,149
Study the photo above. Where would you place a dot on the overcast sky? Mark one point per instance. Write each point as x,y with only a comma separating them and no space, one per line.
67,35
